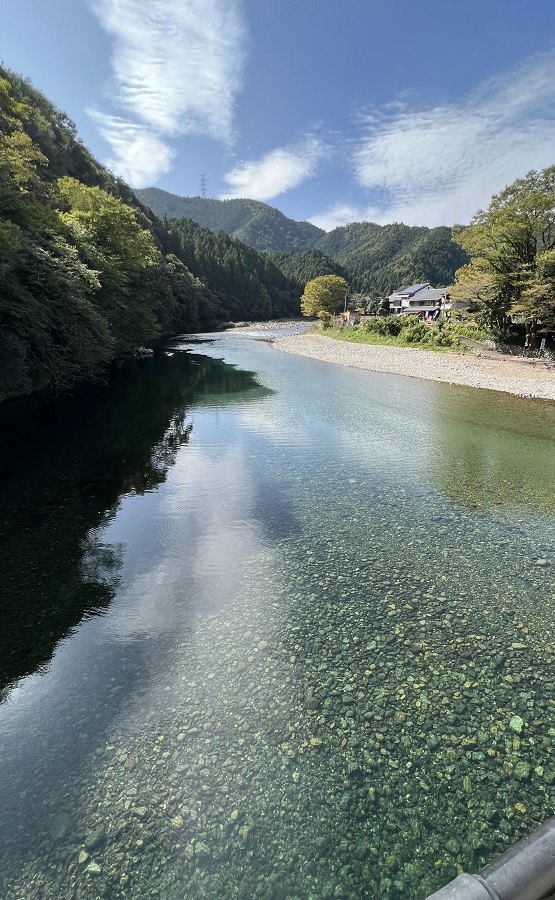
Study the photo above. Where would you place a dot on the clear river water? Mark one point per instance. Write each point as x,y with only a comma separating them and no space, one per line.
272,629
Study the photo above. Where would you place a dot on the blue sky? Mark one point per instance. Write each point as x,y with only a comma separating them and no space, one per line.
331,111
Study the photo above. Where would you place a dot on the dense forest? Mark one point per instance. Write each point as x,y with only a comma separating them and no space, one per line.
254,223
304,267
87,272
375,259
244,283
380,259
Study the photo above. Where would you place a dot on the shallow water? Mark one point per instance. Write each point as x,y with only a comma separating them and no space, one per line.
272,628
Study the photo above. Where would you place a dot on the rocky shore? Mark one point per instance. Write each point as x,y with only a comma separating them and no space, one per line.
523,377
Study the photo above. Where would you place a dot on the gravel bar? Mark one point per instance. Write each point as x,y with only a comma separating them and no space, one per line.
524,378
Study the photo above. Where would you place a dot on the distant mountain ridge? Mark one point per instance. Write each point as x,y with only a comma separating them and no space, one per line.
260,226
375,259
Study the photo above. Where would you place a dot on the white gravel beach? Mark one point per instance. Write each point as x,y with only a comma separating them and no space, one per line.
523,377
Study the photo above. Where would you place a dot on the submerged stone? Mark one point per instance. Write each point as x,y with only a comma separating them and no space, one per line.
95,839
522,771
93,868
140,811
61,827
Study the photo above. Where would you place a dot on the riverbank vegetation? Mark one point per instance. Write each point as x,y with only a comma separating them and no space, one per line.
87,272
398,331
466,326
508,285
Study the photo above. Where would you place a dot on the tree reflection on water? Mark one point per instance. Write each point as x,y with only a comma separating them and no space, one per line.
65,462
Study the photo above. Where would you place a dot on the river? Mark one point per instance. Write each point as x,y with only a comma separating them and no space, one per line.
272,629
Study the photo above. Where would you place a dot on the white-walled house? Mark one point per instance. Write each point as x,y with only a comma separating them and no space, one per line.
419,299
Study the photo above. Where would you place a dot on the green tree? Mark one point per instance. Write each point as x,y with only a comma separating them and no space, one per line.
95,216
323,294
511,248
50,331
115,245
536,306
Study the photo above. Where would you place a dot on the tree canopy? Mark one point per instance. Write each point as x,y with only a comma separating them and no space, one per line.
511,273
380,259
87,272
323,295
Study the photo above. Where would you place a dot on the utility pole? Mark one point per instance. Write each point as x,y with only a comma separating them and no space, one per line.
203,186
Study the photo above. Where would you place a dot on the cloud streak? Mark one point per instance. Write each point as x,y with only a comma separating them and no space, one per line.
278,171
139,155
177,70
440,165
342,214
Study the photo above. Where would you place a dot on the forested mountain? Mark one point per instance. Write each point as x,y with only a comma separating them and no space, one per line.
303,267
375,259
245,284
383,258
88,272
256,224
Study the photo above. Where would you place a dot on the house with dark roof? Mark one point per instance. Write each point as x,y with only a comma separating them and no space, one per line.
419,299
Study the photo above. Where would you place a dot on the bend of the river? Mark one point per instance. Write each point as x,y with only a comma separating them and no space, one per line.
273,629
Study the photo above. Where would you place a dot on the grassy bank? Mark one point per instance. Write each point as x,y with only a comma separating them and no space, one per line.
406,331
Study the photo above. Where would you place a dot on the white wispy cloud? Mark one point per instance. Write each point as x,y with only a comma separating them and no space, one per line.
440,165
278,171
342,214
139,155
177,69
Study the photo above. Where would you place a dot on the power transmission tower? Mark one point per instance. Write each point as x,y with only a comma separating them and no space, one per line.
203,186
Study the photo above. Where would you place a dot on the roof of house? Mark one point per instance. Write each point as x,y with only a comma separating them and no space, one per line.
414,288
422,292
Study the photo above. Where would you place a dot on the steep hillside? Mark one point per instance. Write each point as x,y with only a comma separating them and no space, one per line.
244,283
87,272
256,224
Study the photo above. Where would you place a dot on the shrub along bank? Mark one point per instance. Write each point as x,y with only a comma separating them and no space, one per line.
398,331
